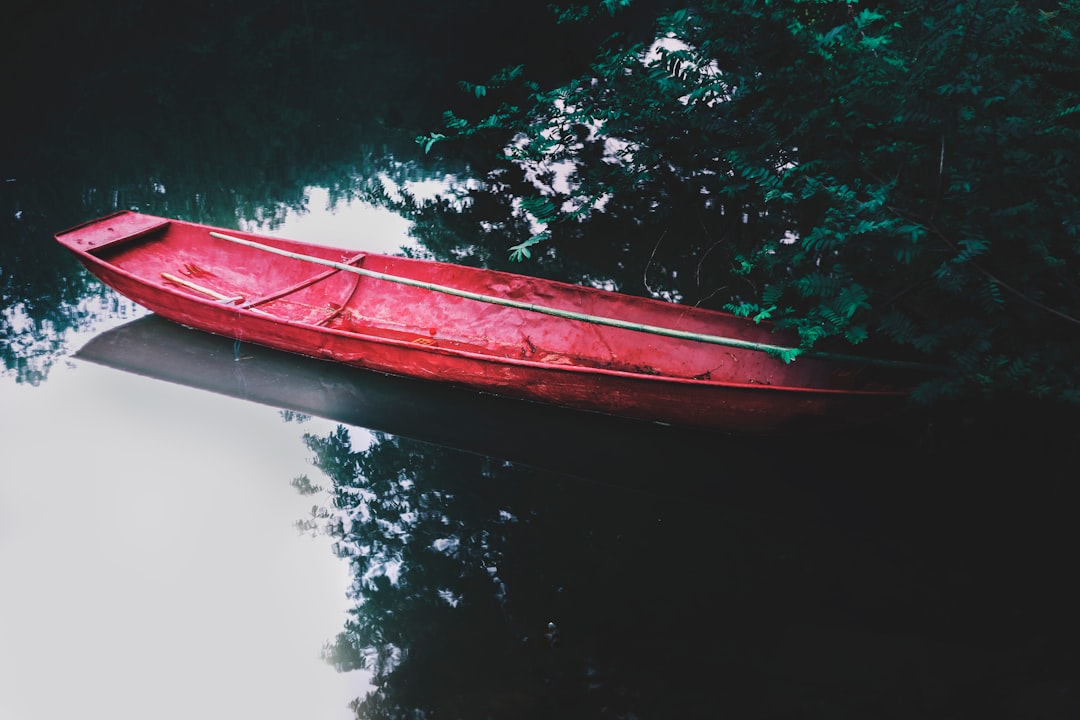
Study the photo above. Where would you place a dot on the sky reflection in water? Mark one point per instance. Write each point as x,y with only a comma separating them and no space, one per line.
150,564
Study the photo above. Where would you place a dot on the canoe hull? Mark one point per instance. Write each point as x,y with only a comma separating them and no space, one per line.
686,401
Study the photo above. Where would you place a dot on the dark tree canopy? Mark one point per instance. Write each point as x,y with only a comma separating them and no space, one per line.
899,172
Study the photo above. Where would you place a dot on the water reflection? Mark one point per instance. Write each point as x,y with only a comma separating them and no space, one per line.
563,567
587,445
149,565
485,589
568,565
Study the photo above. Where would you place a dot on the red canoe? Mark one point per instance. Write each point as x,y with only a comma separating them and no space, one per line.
496,332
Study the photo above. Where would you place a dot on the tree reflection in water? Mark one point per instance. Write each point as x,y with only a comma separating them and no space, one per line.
487,589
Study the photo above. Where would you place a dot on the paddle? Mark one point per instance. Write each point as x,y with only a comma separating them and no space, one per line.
229,300
787,354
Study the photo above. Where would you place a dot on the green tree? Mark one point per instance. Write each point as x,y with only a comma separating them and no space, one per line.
900,171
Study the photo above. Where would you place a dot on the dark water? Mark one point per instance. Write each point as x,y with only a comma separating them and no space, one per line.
185,523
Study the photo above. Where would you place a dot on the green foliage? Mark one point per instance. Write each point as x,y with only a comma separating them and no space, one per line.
521,251
908,170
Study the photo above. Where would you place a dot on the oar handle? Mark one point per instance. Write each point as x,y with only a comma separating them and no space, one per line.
204,290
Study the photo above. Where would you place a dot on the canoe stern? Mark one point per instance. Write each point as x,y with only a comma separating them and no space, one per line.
110,231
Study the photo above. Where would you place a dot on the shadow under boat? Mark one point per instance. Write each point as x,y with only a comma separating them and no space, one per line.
566,441
793,476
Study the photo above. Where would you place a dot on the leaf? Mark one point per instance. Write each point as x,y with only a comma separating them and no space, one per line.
540,208
451,120
852,299
1068,111
874,42
833,35
809,334
822,238
897,325
856,334
990,296
971,247
771,294
613,6
743,267
428,140
816,285
788,354
866,17
743,309
521,251
764,314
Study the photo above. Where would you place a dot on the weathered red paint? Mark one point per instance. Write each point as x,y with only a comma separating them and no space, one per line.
301,307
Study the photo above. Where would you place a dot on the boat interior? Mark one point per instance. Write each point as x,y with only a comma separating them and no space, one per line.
186,258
